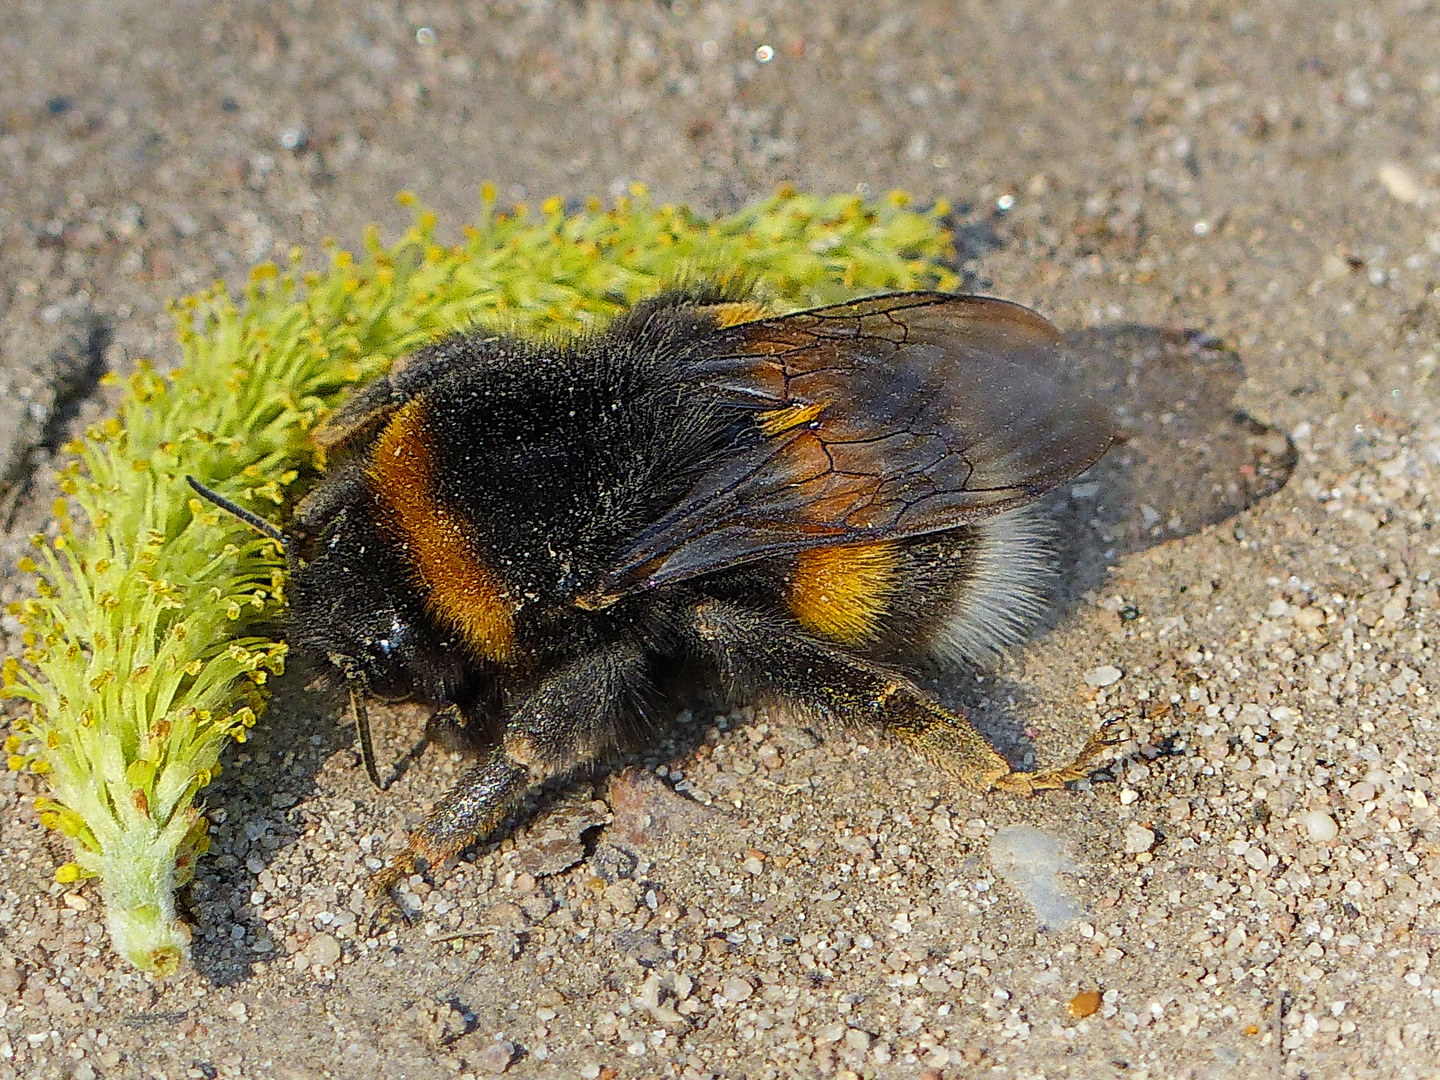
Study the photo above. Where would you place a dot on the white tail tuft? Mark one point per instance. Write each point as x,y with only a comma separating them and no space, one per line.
1006,593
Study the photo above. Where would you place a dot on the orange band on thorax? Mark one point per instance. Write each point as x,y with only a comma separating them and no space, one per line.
458,586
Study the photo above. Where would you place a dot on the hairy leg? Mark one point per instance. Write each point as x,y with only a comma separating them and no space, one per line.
573,717
754,649
365,412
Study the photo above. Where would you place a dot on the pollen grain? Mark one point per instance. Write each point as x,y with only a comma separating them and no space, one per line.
776,421
735,313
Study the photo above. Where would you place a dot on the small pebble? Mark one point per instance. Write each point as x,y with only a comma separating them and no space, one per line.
506,916
1319,826
1086,1003
322,951
1104,675
495,1057
1138,839
736,989
649,995
1402,184
620,898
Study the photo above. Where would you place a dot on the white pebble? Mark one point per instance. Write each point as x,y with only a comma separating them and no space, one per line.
856,1039
495,1057
736,989
1402,184
1104,675
322,951
1138,839
1320,826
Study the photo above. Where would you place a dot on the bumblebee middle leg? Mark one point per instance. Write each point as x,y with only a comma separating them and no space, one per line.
750,648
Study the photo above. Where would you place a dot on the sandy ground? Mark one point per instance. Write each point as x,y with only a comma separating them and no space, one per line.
1255,893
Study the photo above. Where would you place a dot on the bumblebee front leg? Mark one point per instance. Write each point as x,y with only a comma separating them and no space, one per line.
479,802
573,717
751,648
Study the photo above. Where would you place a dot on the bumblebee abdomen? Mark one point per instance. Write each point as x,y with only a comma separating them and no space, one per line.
841,593
999,590
962,596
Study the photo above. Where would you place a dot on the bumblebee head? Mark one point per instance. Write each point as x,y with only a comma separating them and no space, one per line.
348,606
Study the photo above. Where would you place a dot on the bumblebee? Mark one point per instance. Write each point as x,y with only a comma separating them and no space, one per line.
537,536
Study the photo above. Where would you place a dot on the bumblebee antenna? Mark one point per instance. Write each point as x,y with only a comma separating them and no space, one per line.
255,521
357,686
362,729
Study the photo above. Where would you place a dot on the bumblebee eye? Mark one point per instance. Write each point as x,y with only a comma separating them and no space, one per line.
395,639
385,653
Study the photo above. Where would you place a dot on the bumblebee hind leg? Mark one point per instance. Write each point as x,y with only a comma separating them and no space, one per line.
1081,767
753,649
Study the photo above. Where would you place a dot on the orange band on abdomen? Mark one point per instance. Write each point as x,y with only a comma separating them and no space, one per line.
841,592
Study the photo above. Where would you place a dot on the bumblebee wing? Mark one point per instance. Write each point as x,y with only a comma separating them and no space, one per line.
885,418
